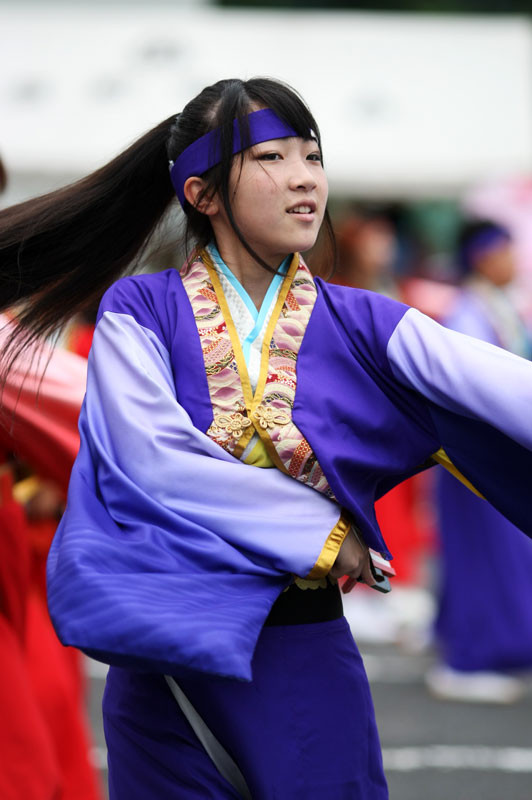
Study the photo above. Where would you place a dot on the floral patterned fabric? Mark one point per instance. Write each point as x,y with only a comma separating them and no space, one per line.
269,411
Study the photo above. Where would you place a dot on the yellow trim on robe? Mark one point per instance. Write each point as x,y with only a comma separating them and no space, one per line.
270,447
237,350
251,400
265,355
329,551
442,458
265,362
259,456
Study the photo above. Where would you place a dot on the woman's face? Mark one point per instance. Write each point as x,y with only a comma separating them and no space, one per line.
278,196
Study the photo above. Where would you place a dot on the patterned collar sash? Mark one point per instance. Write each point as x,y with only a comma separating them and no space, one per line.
239,412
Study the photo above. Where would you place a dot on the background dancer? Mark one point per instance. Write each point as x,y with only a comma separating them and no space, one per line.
484,624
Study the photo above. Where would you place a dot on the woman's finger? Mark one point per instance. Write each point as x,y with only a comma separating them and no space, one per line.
347,585
366,574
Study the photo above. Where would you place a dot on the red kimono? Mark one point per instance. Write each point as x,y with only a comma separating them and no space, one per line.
44,738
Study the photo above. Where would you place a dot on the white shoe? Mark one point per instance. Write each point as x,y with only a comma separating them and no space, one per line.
473,687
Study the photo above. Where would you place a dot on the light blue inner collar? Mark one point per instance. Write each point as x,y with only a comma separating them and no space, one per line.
258,315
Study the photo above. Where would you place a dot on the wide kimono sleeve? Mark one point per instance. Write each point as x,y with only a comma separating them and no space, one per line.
170,552
480,400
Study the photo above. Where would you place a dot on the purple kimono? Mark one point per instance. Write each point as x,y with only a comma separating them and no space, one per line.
172,550
483,622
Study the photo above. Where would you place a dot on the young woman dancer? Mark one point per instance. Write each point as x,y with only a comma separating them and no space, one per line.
240,420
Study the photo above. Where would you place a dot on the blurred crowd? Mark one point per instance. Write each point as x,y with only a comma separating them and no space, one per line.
468,265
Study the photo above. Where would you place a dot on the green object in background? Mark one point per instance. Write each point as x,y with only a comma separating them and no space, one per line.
434,223
432,226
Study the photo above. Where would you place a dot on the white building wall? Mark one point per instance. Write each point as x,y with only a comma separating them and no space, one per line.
408,105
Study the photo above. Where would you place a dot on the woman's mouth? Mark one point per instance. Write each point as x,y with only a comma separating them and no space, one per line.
304,211
301,210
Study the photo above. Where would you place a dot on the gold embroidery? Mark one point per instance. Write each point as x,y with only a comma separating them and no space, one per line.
233,424
269,407
209,315
252,399
319,583
304,584
218,366
269,417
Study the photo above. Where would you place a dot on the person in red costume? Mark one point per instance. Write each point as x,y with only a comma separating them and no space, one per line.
44,737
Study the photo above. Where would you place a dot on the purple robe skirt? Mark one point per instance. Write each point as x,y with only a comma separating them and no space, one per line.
303,728
484,622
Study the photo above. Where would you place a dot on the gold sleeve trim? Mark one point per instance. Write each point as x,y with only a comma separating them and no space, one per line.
330,549
442,458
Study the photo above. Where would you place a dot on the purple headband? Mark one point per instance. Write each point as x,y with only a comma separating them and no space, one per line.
204,153
482,242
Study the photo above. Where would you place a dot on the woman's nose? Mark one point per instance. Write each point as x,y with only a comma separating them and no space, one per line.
302,176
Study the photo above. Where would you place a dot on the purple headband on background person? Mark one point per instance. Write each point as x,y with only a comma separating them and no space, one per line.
205,152
482,242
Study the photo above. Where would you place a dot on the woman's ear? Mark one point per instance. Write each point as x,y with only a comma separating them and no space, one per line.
204,203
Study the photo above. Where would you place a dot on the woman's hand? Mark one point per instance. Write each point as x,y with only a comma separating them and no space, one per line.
353,560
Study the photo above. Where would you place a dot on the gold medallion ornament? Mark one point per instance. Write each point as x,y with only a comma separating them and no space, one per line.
233,424
269,417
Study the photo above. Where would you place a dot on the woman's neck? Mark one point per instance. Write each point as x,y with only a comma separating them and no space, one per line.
254,278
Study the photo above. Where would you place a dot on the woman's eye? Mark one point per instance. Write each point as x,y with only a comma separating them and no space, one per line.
268,156
314,157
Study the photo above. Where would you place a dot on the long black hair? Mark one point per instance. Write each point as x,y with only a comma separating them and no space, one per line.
59,252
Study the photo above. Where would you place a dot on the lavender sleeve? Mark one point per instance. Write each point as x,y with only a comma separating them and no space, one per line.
464,375
171,552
